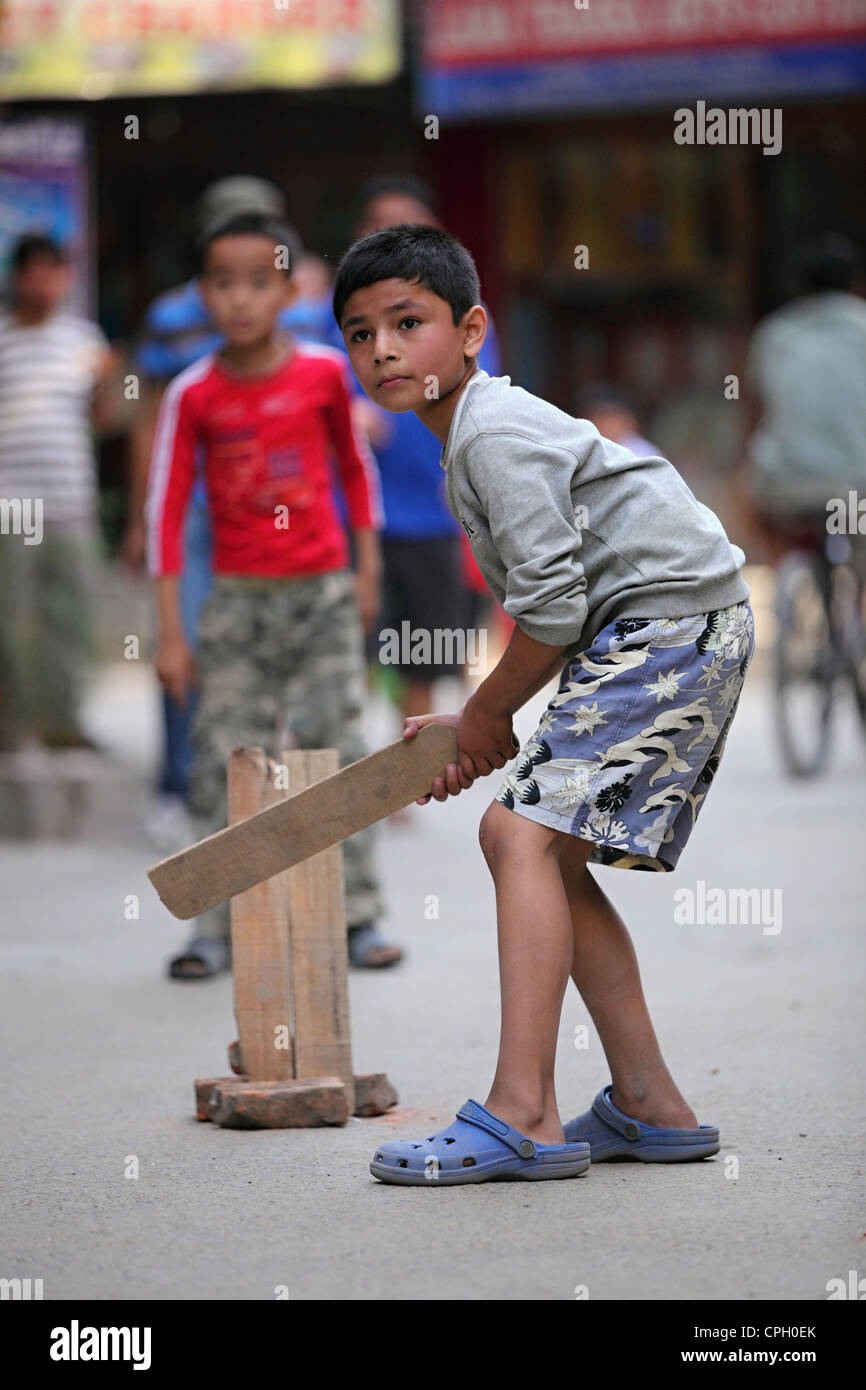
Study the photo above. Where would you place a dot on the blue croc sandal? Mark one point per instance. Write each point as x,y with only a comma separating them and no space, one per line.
611,1134
477,1147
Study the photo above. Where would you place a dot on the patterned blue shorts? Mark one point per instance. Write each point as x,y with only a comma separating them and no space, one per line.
626,750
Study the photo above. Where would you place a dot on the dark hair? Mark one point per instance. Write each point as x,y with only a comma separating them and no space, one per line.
34,247
414,252
251,224
600,394
826,264
380,185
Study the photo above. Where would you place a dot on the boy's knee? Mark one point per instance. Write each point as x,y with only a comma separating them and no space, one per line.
489,836
501,831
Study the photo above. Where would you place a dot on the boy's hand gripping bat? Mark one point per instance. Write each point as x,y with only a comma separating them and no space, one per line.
252,850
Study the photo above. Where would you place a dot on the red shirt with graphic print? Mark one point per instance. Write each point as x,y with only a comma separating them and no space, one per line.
265,444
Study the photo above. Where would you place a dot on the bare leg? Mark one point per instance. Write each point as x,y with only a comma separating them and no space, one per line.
536,949
606,973
417,697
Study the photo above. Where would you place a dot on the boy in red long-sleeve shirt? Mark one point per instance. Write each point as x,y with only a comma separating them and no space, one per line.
280,641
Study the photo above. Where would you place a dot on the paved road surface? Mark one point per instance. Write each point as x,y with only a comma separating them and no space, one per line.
763,1031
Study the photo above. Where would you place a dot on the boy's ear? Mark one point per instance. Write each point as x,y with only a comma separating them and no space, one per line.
475,330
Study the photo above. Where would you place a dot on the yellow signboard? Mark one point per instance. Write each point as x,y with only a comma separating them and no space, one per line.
103,48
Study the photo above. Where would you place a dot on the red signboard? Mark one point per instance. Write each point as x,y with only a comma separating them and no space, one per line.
458,32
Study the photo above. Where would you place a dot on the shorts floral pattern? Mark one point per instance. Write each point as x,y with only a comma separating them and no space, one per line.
625,752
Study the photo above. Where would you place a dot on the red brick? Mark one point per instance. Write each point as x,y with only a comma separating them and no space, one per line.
235,1104
374,1094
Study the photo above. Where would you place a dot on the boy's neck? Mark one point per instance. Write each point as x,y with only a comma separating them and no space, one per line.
258,359
437,416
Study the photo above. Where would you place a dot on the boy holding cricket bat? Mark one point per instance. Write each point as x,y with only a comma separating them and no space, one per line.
628,587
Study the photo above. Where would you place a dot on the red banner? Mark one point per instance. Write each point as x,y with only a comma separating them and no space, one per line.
458,32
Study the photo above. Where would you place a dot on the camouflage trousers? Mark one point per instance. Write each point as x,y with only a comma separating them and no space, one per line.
48,640
280,657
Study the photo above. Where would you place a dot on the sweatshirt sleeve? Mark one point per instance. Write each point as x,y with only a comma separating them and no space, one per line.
172,473
358,469
524,488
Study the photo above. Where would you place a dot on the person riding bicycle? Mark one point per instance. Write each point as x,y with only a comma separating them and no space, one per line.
806,403
802,484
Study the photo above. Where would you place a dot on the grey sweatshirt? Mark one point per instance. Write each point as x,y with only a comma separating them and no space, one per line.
571,530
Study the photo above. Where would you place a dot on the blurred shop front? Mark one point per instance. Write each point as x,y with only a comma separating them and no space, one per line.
171,94
556,133
116,114
608,252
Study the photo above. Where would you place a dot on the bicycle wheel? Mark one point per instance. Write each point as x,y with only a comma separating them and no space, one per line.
855,645
804,664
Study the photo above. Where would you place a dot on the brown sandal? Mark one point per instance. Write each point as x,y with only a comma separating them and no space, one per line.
365,944
204,956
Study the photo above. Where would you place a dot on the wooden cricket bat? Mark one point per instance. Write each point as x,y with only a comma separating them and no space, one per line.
252,850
